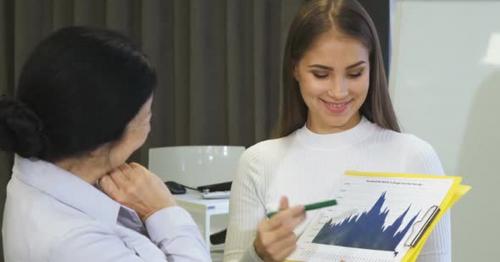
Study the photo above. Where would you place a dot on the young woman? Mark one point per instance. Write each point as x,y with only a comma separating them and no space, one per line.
336,115
83,105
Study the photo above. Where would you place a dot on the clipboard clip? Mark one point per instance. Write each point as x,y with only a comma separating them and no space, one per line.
417,230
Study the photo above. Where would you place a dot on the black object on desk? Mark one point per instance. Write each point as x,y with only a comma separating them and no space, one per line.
218,238
175,188
226,186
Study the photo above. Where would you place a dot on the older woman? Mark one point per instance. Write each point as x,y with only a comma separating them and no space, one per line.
83,105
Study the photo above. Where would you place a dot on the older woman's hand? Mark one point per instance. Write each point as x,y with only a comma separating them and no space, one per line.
275,239
134,186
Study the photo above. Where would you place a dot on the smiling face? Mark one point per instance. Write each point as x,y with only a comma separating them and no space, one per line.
334,77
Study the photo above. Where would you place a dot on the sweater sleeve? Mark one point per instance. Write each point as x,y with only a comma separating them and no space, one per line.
423,159
246,210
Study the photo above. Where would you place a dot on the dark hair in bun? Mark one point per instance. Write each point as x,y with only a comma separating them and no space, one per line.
20,129
77,91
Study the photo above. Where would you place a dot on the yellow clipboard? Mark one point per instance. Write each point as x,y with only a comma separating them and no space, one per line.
456,191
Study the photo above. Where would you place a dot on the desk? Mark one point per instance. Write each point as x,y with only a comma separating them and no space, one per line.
202,210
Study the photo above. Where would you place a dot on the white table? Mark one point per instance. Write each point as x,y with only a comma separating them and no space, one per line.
202,210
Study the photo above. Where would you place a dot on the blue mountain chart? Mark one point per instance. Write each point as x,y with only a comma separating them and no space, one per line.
366,230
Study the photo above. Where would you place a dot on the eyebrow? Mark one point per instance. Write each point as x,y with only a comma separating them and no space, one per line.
331,69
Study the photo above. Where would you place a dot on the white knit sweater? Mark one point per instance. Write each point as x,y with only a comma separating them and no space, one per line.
306,166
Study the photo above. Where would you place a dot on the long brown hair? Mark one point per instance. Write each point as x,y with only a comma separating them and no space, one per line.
314,18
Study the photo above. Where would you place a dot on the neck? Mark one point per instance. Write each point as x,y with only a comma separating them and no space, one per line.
88,168
334,128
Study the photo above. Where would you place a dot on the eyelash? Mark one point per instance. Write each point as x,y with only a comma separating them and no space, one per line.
320,76
356,75
323,76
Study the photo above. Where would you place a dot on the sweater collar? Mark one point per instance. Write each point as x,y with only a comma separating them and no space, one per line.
337,140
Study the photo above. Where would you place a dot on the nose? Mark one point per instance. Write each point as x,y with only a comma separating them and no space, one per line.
338,89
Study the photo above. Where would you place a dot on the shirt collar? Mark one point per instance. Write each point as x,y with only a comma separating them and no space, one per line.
67,188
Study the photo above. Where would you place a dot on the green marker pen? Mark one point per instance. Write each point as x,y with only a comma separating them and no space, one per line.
313,206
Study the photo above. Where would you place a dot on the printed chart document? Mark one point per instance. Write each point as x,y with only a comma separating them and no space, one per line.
379,217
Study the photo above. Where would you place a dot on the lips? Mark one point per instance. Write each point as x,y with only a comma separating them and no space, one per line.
336,107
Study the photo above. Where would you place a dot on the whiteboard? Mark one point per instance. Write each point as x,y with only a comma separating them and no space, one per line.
445,85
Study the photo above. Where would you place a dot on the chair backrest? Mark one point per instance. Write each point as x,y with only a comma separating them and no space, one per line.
195,165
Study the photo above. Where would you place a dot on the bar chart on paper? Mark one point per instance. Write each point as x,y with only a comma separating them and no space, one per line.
376,219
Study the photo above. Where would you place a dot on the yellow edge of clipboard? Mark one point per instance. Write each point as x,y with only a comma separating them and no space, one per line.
456,191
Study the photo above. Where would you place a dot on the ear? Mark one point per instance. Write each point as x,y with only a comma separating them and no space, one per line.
295,71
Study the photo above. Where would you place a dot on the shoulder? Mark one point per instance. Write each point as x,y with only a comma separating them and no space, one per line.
405,141
32,208
419,155
35,223
257,163
36,207
267,150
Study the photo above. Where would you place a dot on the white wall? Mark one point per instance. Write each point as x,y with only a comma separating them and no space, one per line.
445,84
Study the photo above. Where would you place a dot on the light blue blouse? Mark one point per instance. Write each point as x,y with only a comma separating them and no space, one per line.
53,215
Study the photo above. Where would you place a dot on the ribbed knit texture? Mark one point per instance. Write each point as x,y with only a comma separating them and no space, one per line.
306,167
